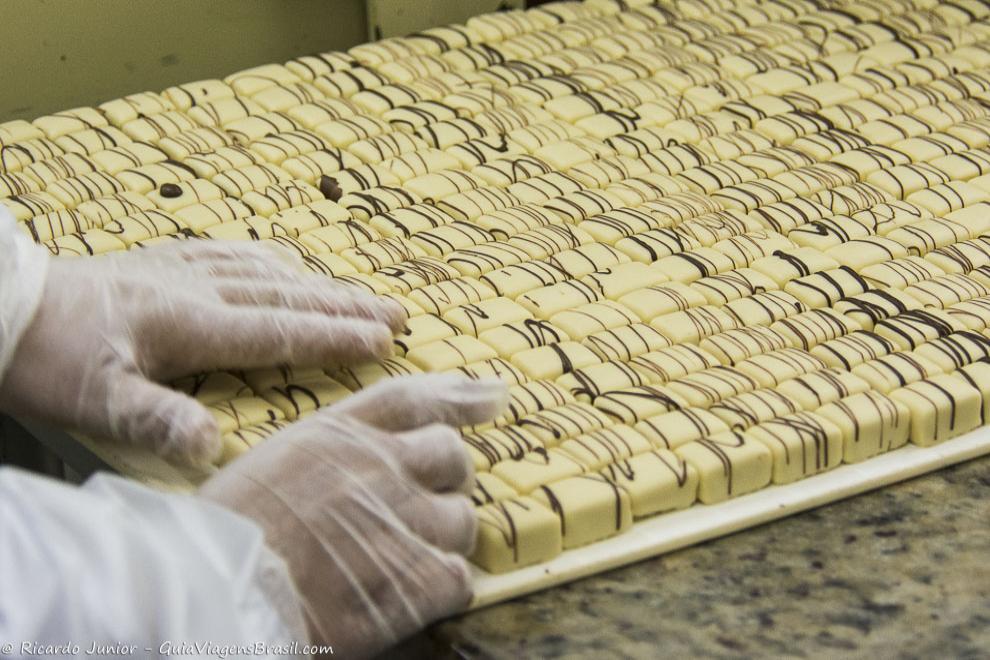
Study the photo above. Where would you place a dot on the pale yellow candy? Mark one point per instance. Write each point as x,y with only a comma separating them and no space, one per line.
908,330
514,533
153,129
369,257
212,387
626,342
669,430
489,489
692,325
943,291
554,425
859,253
589,507
659,299
634,404
807,329
18,130
284,97
870,423
475,318
849,350
241,180
262,380
941,407
802,444
251,228
945,198
553,360
70,121
313,165
271,199
732,285
621,279
750,408
772,368
763,308
194,191
704,388
796,262
532,397
876,304
87,243
58,223
669,364
817,388
655,481
536,468
826,287
253,80
298,399
583,320
493,368
588,383
25,206
198,143
689,266
243,412
338,235
199,217
728,465
18,183
75,190
511,338
369,373
977,375
143,225
220,113
208,165
442,296
955,350
134,154
449,353
888,372
974,314
738,344
597,449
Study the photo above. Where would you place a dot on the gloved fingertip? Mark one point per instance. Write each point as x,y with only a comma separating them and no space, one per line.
379,340
193,442
482,400
393,313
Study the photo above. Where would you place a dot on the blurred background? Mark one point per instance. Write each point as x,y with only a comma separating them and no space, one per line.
61,54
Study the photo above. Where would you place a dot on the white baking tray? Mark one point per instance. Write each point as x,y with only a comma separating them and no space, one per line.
672,531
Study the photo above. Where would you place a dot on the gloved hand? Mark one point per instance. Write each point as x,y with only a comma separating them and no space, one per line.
107,327
365,502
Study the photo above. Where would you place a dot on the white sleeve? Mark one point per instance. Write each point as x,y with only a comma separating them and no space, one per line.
114,562
23,266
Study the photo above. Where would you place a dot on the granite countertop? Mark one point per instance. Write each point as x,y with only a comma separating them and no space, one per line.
901,572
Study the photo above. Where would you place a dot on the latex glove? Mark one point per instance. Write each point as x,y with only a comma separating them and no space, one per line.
372,523
107,327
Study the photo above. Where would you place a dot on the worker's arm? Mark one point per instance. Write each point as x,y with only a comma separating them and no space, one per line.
115,563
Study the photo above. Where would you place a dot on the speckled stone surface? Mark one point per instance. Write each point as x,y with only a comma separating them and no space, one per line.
903,572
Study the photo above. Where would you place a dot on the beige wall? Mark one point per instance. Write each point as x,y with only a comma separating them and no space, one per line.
58,54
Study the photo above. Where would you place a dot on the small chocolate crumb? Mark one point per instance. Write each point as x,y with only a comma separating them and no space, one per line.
330,188
170,190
